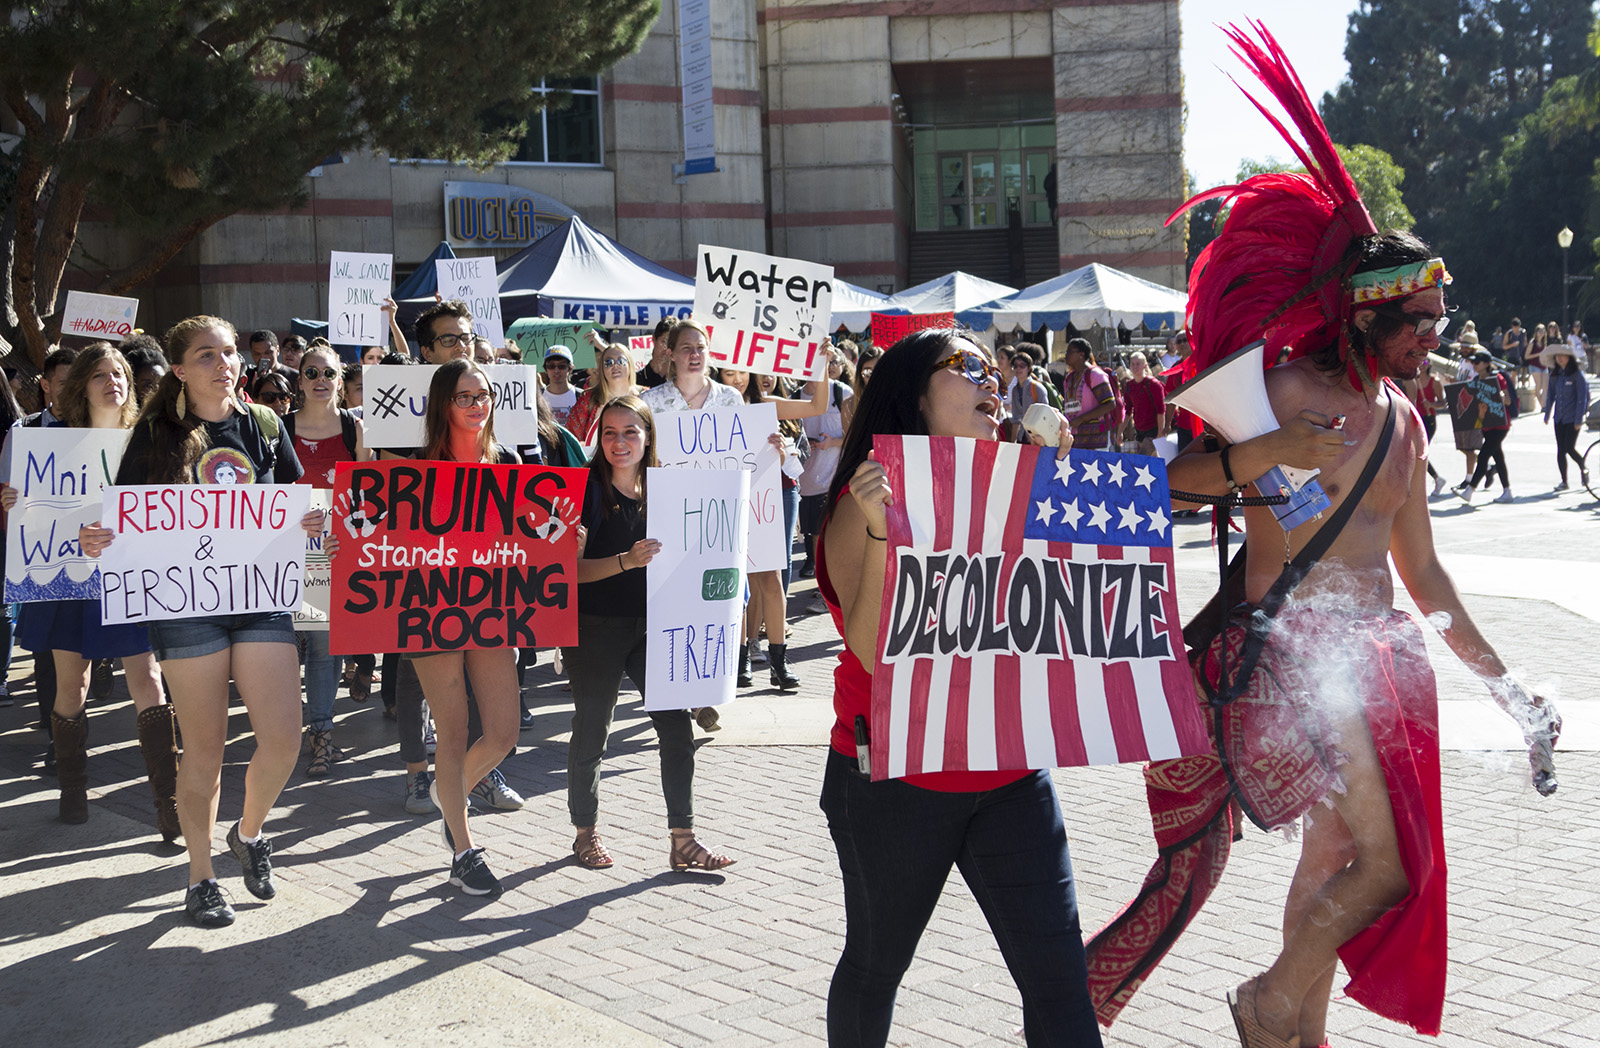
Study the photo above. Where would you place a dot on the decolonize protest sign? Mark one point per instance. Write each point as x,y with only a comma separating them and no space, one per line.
1030,614
184,551
765,313
535,335
396,398
313,611
358,282
88,315
734,438
444,556
474,282
695,585
60,475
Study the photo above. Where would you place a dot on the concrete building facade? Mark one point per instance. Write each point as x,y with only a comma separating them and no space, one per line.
892,139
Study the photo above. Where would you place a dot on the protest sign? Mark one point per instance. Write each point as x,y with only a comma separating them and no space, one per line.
695,585
1476,404
535,335
474,282
442,556
889,328
641,344
98,316
1030,614
396,397
734,438
766,314
313,611
358,282
59,474
184,551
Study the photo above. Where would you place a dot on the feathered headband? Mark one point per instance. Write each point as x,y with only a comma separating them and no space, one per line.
1281,268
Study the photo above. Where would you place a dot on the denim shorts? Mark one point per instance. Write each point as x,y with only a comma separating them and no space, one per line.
192,638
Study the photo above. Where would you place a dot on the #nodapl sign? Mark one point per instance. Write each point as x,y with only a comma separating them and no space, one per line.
1030,616
443,556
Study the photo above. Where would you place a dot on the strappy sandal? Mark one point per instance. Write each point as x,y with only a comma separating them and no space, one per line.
688,853
323,754
360,686
590,852
1242,1003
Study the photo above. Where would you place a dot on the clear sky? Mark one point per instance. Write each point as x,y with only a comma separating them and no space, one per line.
1223,127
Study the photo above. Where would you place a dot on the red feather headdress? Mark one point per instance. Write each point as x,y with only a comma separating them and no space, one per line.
1278,268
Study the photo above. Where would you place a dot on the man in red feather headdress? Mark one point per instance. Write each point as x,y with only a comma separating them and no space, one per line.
1339,721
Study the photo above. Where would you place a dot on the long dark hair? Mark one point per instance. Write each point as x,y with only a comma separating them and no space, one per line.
436,422
600,466
176,442
892,401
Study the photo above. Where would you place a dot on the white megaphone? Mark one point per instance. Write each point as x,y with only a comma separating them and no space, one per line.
1231,395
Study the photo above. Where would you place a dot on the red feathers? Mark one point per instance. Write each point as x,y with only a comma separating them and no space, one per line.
1277,267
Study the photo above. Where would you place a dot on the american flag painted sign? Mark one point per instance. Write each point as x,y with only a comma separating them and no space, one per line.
1030,616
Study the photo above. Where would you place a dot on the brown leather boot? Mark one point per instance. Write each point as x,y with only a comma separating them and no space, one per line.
72,765
158,744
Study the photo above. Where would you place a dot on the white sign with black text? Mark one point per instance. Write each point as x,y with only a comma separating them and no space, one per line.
396,401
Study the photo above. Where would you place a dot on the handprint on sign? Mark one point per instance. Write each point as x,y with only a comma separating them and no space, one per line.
356,519
807,319
726,300
564,516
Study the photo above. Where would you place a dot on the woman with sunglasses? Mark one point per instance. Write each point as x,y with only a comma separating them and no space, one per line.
97,393
324,435
898,838
614,377
272,390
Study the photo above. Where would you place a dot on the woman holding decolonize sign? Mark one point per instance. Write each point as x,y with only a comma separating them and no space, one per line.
192,425
898,838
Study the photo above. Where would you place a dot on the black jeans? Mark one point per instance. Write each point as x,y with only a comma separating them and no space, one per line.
896,844
1492,439
1567,444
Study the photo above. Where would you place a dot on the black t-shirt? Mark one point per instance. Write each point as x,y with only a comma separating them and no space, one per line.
237,452
622,594
649,378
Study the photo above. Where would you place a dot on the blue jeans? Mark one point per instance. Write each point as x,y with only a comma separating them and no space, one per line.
896,844
791,509
322,679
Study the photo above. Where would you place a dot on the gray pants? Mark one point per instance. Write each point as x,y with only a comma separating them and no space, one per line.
608,645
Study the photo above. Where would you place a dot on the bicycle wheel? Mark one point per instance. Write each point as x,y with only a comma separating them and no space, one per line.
1591,469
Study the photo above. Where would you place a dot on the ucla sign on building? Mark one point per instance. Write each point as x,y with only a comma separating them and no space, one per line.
496,215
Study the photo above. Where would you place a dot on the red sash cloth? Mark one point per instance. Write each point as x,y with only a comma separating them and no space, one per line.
1396,965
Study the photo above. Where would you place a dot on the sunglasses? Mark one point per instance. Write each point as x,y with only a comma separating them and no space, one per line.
314,373
614,362
550,364
472,400
1420,324
272,398
976,369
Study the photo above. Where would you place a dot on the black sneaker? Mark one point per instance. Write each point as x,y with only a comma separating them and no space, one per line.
206,907
256,859
471,874
527,719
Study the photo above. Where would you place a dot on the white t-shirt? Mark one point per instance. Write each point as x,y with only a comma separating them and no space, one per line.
561,403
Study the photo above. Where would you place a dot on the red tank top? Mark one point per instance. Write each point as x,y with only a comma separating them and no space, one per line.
852,697
318,458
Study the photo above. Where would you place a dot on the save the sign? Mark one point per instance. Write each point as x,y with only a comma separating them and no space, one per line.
444,556
765,313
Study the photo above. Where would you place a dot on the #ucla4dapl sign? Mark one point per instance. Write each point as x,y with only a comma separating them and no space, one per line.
766,314
444,556
695,586
396,401
734,438
59,474
184,551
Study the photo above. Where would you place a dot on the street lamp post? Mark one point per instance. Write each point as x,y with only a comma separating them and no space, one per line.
1564,238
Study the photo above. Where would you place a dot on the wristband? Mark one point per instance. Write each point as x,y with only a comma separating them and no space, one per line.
1227,471
621,566
879,538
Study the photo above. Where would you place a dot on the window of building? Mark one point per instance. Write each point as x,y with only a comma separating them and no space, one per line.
567,131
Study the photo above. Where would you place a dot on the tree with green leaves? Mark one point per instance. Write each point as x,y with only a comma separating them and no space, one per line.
171,115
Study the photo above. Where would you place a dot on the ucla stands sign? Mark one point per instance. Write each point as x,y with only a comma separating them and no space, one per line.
494,214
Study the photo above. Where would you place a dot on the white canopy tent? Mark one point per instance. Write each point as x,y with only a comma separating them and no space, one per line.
1094,294
951,293
853,306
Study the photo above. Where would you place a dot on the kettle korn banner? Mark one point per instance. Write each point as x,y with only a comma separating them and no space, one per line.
183,551
442,556
60,475
765,314
695,586
1030,614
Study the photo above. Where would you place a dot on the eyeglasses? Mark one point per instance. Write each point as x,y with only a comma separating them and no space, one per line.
976,369
614,362
451,341
313,373
1420,324
473,400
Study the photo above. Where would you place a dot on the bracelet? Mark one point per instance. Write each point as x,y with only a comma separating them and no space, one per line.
621,566
880,538
1227,470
